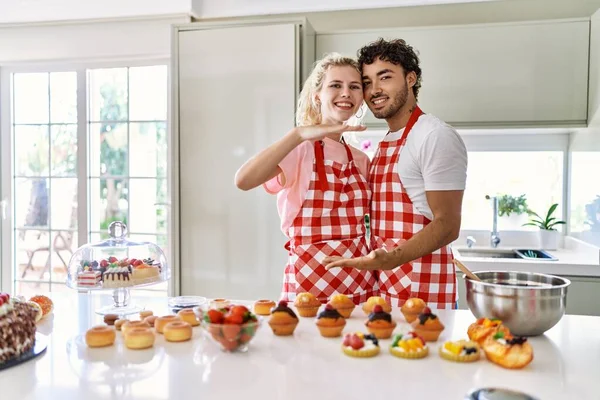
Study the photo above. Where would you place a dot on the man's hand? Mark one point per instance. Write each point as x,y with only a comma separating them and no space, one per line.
377,259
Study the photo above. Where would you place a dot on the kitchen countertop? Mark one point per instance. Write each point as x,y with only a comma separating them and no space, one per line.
565,363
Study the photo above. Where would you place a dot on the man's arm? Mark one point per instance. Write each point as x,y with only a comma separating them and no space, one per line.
444,228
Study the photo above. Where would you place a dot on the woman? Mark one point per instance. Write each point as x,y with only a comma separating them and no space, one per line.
321,185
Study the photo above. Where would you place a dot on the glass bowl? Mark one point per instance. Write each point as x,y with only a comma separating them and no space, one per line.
232,337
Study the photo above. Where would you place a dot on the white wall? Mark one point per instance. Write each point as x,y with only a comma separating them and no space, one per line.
594,84
90,41
15,11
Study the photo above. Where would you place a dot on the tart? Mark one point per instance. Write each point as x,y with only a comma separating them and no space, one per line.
409,345
307,304
360,345
330,322
507,350
373,301
483,328
380,323
460,351
412,308
343,304
283,319
428,325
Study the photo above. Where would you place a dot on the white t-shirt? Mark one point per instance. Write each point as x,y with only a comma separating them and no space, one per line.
433,158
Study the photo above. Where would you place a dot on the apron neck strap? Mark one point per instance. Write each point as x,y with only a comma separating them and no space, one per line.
412,120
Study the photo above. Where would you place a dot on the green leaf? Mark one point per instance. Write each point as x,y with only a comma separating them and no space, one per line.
551,210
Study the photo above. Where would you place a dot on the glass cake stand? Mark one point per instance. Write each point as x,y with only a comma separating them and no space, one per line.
119,265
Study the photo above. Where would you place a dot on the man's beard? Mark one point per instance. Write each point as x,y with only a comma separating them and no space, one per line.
398,102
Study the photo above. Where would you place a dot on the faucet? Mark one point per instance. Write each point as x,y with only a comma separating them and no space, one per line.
471,241
495,237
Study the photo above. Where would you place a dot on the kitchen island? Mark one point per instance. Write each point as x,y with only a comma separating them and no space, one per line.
565,366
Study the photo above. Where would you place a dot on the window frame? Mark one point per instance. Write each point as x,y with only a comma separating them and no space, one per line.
7,225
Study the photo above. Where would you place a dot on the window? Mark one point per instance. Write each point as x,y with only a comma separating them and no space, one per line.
585,196
119,116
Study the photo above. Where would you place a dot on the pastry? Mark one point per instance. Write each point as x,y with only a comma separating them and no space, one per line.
150,320
87,277
139,338
188,315
100,336
330,322
39,312
129,325
219,303
109,319
116,277
307,304
507,350
412,308
17,327
409,345
460,351
263,307
483,328
145,313
143,273
373,301
360,345
160,322
380,323
283,320
343,304
177,331
44,302
428,325
119,324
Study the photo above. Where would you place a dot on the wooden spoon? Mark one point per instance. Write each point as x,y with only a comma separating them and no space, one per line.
466,270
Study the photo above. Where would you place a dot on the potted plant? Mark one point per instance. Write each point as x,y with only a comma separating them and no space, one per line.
549,236
512,211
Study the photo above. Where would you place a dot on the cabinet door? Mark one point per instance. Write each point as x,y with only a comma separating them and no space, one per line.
529,74
236,94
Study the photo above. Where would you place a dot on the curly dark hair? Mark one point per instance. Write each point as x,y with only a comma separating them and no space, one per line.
397,52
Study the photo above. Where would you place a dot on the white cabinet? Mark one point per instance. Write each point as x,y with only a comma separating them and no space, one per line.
522,74
234,92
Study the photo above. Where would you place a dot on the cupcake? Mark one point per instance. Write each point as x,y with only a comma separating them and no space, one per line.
412,308
507,350
307,304
483,328
410,345
343,304
330,322
380,323
460,351
373,301
283,320
428,325
360,345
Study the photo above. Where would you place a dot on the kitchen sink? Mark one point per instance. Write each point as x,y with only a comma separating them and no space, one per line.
527,254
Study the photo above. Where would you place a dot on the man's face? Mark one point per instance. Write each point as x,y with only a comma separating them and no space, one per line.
385,88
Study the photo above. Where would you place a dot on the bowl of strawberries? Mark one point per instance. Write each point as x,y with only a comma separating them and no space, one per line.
231,327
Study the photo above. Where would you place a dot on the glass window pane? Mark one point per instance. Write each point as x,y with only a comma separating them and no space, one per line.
160,240
31,150
108,203
31,98
148,93
64,150
585,196
30,289
64,244
148,157
107,93
537,175
63,97
108,149
145,215
31,202
63,206
31,254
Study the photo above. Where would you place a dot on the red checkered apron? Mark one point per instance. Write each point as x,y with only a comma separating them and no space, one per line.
393,219
330,223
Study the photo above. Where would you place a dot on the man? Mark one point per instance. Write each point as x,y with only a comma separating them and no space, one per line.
417,176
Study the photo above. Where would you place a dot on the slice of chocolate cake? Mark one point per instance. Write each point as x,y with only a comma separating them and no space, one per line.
17,328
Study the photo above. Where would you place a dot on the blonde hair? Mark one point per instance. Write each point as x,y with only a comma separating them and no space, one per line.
308,111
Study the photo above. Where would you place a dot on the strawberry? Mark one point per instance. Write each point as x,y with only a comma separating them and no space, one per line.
241,310
377,309
104,263
215,317
346,341
112,259
233,319
427,311
245,338
137,262
356,343
231,332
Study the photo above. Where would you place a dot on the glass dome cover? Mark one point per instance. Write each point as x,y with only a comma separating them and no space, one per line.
117,263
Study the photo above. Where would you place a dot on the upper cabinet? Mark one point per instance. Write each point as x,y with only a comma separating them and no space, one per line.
525,74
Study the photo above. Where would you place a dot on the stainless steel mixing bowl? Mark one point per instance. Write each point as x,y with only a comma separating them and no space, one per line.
528,303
